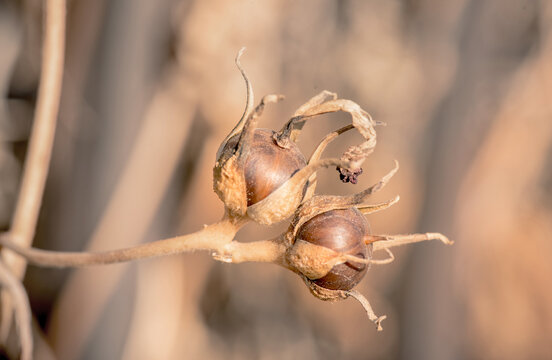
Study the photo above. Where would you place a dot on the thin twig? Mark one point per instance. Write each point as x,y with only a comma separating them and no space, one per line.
22,309
42,137
40,144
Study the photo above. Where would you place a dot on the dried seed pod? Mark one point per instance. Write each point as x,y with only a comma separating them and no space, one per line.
329,242
267,166
257,177
342,231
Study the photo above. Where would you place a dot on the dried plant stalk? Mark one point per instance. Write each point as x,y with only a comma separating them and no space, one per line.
42,137
22,309
211,238
37,163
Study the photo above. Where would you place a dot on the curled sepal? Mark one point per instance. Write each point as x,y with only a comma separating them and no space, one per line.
248,104
283,202
366,305
311,187
328,139
361,120
335,295
293,128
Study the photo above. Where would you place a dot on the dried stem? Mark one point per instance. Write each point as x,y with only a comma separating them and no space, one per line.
212,238
40,146
22,310
42,137
272,251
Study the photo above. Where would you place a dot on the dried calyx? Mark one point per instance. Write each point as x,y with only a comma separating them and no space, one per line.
261,174
266,166
330,246
342,232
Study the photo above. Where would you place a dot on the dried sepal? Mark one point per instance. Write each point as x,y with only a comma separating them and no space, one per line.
385,242
368,308
322,293
283,202
319,204
311,260
361,120
315,261
318,99
385,261
336,295
250,100
372,208
250,125
390,241
317,153
294,126
229,185
311,187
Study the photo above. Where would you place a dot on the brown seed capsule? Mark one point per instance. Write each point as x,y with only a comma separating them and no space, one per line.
267,166
342,231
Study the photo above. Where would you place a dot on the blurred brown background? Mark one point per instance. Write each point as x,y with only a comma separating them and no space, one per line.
150,89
